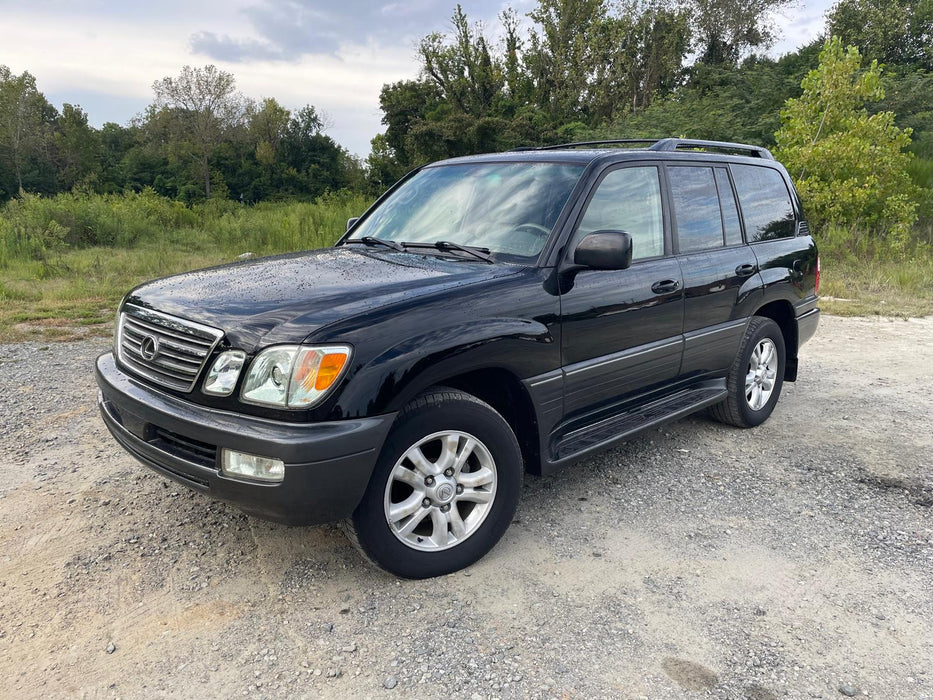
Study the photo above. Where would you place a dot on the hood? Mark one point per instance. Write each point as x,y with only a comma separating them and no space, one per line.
287,297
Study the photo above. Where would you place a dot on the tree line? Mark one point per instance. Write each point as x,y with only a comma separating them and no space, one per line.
602,68
849,113
567,70
198,139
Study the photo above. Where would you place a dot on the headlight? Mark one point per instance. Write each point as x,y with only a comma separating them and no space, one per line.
294,376
225,371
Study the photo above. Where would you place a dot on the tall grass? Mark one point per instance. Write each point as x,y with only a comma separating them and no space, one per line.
68,259
39,228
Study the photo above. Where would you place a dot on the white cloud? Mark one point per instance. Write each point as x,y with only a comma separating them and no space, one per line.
112,63
800,25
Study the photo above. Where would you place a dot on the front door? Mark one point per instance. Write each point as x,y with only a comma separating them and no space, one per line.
621,330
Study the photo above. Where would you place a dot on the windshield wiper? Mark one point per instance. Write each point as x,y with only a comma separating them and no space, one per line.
476,252
373,241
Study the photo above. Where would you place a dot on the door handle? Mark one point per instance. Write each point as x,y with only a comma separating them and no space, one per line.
746,270
665,286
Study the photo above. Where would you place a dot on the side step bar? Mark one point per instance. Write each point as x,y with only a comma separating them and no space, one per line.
603,433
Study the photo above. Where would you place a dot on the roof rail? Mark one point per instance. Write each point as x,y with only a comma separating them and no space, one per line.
583,144
668,145
692,144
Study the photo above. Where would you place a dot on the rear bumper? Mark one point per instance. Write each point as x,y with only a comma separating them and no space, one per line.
806,325
327,465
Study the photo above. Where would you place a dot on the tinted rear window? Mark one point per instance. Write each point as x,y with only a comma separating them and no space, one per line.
730,213
696,208
765,203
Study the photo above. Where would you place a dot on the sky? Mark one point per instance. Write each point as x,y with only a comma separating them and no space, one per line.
105,54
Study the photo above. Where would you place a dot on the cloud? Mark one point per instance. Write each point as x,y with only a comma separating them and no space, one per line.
799,25
223,47
287,30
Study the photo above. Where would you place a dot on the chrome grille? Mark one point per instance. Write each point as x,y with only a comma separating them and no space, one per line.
167,350
803,229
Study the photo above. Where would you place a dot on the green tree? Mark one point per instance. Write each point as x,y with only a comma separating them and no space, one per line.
202,107
727,29
405,104
77,148
723,103
581,64
562,53
463,66
850,167
909,94
267,128
382,164
26,123
314,162
640,50
898,32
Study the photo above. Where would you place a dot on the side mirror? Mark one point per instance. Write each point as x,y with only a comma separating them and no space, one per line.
604,250
351,222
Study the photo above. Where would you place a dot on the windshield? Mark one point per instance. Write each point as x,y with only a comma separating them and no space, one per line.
507,208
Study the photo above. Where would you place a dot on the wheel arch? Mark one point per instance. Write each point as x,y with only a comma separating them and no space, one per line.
781,312
503,390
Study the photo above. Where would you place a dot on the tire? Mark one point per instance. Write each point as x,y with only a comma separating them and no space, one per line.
750,401
445,488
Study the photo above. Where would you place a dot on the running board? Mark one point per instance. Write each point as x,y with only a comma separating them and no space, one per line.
609,430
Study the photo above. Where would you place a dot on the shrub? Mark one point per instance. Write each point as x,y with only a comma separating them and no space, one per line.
850,168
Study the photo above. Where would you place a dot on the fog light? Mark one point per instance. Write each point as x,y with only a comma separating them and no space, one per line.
235,463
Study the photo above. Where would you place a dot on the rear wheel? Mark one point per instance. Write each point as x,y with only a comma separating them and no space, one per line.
756,376
444,490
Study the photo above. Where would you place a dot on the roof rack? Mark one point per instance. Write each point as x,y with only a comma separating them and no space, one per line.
667,145
583,144
725,146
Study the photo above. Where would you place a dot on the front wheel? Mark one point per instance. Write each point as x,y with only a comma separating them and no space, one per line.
444,490
756,376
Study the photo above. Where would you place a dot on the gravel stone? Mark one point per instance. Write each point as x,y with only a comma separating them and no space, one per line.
818,522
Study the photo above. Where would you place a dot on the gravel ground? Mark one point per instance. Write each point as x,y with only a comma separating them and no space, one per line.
794,560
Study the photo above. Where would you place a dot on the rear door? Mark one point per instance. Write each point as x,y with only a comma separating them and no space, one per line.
719,270
771,222
621,329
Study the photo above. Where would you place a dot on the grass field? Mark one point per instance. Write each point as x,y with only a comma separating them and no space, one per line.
66,262
900,289
65,265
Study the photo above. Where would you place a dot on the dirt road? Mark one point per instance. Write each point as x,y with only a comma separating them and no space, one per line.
794,560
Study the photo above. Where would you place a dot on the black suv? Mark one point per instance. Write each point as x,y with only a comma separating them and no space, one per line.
487,316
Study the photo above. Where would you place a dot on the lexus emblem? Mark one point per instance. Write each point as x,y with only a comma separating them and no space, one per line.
149,348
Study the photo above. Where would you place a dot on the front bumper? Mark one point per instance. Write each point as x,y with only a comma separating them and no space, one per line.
327,465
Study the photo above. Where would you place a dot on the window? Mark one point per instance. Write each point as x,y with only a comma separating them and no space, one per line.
509,208
730,212
765,202
628,199
696,208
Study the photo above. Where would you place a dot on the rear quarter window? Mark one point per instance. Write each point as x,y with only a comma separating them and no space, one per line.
765,202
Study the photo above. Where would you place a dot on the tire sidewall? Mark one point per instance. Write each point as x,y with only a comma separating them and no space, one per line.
766,330
455,414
